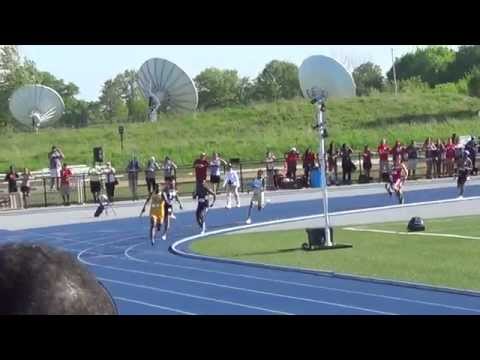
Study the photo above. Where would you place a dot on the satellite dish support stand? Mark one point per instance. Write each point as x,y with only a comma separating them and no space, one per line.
321,126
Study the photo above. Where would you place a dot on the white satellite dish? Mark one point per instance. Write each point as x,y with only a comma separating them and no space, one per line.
323,76
167,87
33,105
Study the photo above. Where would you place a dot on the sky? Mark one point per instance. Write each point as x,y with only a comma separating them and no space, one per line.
89,66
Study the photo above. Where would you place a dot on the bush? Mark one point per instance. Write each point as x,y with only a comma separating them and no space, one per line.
447,88
473,83
413,84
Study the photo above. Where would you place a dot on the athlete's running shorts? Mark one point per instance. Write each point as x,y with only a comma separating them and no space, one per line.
158,214
259,198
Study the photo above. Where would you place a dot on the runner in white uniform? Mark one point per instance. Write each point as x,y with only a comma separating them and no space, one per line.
258,187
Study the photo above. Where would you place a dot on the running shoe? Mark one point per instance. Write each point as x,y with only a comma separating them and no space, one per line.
164,237
249,221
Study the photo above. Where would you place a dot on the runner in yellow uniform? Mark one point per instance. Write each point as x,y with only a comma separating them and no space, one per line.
157,213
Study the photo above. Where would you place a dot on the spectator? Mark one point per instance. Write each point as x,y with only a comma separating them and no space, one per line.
231,184
95,174
308,164
367,161
201,167
133,168
169,170
27,177
291,159
55,157
397,151
345,153
383,151
430,150
471,147
412,155
332,155
12,178
270,166
215,165
41,280
450,157
277,179
438,158
65,184
150,176
110,181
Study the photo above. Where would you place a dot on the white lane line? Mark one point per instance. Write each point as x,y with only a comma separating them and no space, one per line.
192,296
328,288
68,240
267,293
153,305
415,233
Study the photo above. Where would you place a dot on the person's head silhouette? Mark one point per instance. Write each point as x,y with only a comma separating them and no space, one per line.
38,279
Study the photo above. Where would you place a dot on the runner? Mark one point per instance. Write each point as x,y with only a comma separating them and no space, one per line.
157,213
397,177
231,183
215,165
201,193
258,186
464,169
172,195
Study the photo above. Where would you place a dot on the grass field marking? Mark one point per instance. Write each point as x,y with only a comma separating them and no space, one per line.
293,283
125,283
153,305
412,233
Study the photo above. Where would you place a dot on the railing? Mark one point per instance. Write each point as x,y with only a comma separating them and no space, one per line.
42,195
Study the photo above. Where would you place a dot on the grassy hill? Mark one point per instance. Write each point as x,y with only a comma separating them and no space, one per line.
247,132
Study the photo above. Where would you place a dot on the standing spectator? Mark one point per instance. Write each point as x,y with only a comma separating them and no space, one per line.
345,153
367,161
201,167
110,181
95,175
438,158
332,155
429,149
55,158
231,184
65,182
291,159
12,178
270,166
308,164
450,157
133,169
383,151
169,170
150,176
215,165
471,147
412,155
397,152
27,177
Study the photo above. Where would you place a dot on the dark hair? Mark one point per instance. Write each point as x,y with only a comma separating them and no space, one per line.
39,279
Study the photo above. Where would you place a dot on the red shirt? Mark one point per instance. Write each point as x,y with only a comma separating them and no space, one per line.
397,152
450,151
383,151
65,175
309,159
292,158
201,167
367,156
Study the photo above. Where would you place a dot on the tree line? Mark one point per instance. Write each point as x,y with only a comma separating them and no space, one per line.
121,100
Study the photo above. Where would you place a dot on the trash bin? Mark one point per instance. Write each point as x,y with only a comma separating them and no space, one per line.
316,238
316,178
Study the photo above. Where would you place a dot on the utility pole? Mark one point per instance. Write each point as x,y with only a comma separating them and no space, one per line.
394,74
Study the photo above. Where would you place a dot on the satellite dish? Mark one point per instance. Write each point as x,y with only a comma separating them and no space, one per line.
33,105
167,87
321,76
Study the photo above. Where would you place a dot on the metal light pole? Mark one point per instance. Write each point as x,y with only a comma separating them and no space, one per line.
394,74
322,132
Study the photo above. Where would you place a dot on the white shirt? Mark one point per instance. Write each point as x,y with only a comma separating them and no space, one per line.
231,177
110,174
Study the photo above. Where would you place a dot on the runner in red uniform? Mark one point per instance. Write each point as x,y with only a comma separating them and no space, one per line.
398,177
